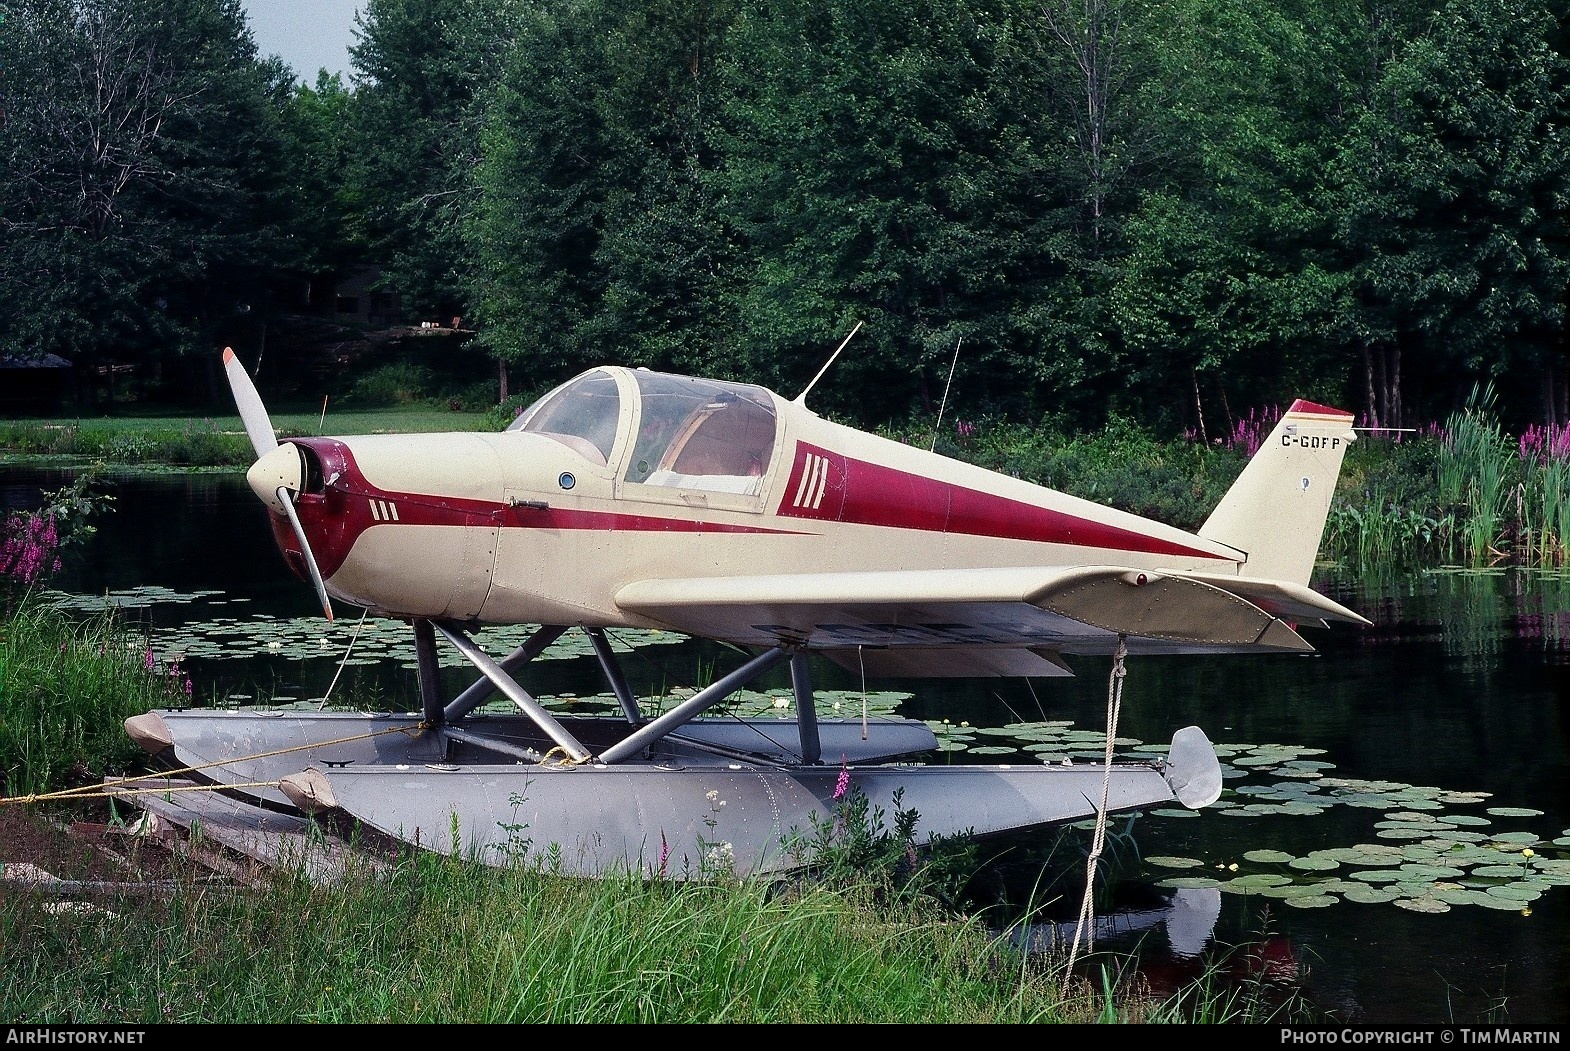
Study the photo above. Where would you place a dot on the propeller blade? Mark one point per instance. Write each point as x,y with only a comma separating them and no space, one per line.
305,550
252,412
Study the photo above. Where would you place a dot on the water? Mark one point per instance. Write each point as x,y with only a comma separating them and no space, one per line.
1459,687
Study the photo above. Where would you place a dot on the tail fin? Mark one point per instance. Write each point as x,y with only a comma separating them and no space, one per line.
1275,512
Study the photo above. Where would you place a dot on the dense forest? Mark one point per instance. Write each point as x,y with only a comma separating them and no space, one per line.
1172,211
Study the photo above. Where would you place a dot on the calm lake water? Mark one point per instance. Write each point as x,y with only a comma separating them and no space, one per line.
1381,790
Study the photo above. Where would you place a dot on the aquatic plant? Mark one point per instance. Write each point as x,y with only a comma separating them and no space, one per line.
1476,472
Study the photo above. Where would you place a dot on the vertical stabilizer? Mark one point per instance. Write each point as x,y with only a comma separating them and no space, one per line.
1275,512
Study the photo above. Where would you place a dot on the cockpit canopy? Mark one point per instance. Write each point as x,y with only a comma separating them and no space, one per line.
695,433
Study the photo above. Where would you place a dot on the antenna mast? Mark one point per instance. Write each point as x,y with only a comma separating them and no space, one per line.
944,403
801,399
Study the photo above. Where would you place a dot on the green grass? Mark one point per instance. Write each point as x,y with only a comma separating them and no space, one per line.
66,687
438,939
215,441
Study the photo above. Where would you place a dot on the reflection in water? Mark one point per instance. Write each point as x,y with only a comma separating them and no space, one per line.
1187,915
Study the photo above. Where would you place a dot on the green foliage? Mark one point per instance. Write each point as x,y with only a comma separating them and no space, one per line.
422,67
399,383
66,689
140,144
434,939
1477,478
1444,184
854,848
1123,465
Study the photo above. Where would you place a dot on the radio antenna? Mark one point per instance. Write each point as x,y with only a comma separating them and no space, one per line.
801,399
942,404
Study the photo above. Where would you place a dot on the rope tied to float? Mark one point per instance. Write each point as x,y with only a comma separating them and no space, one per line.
1085,927
110,789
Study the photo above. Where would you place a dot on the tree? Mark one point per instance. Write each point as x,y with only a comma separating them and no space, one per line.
140,141
1225,290
1453,184
419,67
883,162
596,237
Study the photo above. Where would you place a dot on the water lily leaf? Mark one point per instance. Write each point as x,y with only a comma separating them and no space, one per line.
1293,890
1267,857
1512,811
1316,901
1189,883
1515,892
1174,862
1432,872
1525,839
1422,904
1405,832
1500,871
1367,895
1255,880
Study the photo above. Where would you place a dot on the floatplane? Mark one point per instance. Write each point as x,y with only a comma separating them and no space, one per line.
634,499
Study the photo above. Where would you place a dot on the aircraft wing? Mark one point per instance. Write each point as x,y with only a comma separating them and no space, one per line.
1002,621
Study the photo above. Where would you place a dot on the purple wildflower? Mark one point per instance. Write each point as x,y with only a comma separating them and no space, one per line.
843,784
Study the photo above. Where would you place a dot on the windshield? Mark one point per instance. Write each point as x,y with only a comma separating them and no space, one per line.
581,414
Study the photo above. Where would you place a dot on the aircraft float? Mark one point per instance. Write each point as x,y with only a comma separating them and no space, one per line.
633,499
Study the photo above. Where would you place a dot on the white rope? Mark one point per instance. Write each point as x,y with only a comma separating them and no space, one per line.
1086,926
344,660
863,660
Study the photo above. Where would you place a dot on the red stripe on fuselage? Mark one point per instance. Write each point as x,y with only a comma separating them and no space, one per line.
334,520
862,493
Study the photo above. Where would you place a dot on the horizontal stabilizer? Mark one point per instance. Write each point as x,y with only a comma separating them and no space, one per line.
1281,598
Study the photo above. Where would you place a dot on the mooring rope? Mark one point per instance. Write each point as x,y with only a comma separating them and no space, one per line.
344,660
1087,910
108,789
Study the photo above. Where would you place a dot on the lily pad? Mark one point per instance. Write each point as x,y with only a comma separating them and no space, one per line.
1369,895
1515,892
1255,881
1267,857
1422,904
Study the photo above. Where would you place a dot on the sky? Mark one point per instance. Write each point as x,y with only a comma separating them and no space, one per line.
307,34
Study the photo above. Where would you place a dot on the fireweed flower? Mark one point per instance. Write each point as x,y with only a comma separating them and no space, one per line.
842,785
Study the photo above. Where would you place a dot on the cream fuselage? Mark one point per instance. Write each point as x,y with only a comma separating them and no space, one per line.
516,527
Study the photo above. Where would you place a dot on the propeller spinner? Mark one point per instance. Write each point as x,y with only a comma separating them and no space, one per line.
278,471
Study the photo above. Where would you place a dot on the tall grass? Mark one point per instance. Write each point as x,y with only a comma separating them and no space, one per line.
66,688
443,939
1476,472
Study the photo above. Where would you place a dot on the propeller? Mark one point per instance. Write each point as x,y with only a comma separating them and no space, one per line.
275,471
